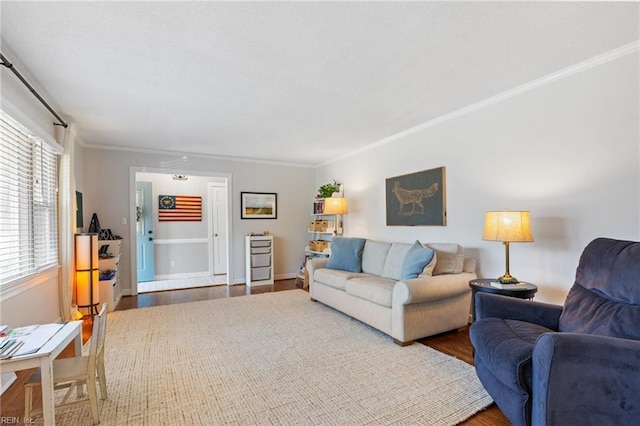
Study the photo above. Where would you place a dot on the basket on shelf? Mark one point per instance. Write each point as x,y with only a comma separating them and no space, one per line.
320,225
322,245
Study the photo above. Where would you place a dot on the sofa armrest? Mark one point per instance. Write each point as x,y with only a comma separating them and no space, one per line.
317,263
312,266
427,289
585,378
489,305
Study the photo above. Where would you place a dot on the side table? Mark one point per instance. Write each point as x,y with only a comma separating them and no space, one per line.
523,291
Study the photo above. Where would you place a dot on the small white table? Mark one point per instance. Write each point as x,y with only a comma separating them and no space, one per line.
43,358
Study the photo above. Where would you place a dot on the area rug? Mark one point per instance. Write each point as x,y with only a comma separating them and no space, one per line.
273,358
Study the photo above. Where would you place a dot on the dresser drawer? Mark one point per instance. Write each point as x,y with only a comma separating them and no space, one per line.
260,260
260,274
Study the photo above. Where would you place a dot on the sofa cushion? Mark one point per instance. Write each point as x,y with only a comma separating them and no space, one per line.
605,298
393,264
469,264
586,311
374,289
415,261
373,256
505,347
334,278
346,254
448,263
446,247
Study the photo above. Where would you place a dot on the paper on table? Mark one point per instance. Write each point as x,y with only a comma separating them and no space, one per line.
37,338
23,331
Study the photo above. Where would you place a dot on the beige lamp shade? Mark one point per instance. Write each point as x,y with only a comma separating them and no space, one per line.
87,273
86,251
84,280
510,226
335,205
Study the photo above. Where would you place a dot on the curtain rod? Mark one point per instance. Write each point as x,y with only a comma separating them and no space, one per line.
9,65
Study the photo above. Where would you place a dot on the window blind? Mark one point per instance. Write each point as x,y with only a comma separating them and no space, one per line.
28,203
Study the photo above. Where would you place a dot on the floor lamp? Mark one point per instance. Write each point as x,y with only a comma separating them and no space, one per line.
87,273
509,227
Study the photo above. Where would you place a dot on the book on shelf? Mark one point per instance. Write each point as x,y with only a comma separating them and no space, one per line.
509,286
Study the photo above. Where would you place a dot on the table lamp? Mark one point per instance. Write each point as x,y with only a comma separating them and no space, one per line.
336,206
509,227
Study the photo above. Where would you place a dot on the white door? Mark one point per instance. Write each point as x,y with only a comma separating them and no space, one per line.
218,196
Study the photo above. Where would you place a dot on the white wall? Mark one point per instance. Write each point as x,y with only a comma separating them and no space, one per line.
37,300
568,151
106,186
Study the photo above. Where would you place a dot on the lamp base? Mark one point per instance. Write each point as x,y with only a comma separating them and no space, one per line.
93,307
508,279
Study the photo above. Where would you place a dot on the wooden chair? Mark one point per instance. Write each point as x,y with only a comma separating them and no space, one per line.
77,372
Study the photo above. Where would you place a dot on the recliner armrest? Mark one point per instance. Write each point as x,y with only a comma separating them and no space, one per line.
489,305
585,378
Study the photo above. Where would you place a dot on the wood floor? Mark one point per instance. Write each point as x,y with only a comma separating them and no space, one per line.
454,343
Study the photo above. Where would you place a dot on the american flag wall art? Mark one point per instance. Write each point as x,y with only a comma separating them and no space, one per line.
183,208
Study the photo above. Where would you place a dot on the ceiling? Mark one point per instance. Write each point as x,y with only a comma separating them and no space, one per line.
294,82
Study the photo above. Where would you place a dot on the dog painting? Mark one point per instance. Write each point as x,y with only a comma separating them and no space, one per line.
417,199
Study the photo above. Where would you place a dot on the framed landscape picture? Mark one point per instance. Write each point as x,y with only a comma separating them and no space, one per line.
258,205
417,199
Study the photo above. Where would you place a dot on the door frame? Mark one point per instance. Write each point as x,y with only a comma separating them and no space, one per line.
133,252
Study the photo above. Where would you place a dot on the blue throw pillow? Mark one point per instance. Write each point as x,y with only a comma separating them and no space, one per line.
346,254
415,260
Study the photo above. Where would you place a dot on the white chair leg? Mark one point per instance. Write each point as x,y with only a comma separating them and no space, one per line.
102,378
93,400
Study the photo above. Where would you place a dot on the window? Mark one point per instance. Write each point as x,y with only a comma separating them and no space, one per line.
28,203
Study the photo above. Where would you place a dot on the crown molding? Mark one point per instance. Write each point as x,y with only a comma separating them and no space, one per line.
593,62
195,155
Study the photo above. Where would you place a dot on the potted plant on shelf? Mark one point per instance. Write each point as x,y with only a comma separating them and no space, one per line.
327,190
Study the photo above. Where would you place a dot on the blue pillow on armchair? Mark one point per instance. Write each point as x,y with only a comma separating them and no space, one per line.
415,260
346,254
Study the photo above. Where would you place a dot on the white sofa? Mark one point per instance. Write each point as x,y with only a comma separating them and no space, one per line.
438,300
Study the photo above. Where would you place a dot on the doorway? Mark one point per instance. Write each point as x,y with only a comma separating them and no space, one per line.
180,254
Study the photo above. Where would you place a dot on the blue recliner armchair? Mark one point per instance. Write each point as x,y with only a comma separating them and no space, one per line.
577,364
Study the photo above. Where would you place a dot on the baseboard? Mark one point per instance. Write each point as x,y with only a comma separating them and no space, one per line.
181,276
